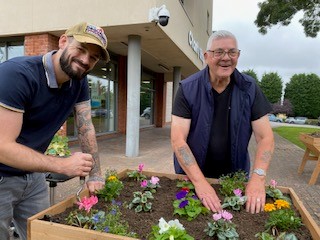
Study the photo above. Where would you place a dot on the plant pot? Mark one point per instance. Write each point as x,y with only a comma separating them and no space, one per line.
39,229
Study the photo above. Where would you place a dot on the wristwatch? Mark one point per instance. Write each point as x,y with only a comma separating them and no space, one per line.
259,171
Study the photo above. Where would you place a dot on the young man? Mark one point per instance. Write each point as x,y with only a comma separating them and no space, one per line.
214,114
37,94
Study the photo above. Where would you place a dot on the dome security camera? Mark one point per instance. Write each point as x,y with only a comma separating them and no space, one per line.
164,16
159,15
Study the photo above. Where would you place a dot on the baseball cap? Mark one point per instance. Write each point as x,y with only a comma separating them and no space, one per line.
89,33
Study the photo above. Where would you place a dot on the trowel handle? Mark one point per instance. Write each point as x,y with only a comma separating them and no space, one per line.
82,180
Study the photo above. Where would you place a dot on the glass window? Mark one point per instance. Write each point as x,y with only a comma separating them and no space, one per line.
147,93
11,49
103,92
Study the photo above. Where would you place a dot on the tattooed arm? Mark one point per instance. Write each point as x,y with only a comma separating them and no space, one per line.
88,143
255,190
179,132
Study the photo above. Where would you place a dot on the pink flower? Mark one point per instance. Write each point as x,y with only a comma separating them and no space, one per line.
141,165
226,215
237,192
154,180
87,203
273,183
144,183
216,216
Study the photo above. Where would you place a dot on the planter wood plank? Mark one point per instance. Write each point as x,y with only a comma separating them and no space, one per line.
40,229
312,153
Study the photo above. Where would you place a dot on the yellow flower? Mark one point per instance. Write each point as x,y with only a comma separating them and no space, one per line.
281,204
112,178
269,207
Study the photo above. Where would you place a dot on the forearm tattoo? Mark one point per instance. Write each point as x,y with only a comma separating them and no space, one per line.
86,134
186,156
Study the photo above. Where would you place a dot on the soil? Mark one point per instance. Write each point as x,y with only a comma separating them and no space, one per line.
247,225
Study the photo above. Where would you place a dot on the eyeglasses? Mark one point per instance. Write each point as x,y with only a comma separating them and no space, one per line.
220,53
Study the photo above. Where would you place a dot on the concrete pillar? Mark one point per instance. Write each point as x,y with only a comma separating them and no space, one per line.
176,80
133,96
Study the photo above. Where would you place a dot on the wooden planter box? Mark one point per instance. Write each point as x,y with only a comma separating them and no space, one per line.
39,229
312,153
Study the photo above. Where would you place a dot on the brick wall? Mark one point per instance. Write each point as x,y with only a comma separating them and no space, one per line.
39,44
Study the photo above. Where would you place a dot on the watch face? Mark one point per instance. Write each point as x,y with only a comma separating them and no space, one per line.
259,172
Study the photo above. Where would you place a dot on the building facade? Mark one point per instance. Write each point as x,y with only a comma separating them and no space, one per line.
148,57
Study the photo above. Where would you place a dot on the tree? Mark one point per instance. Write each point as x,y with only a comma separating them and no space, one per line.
303,92
273,12
271,85
285,108
252,73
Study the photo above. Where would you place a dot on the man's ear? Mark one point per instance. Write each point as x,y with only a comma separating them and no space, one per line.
63,41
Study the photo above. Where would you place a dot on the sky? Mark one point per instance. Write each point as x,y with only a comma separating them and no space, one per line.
284,49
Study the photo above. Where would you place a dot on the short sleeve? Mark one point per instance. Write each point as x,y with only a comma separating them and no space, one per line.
181,107
261,105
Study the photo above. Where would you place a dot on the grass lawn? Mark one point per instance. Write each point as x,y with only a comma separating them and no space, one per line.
292,133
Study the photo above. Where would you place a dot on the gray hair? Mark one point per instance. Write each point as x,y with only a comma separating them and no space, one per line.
218,35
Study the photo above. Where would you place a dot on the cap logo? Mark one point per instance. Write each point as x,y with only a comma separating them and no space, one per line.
97,32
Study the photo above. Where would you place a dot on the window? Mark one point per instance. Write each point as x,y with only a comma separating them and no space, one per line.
11,49
103,94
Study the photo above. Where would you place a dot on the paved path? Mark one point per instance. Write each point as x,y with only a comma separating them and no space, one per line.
156,154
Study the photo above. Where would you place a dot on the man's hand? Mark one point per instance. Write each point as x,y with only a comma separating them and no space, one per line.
78,164
256,194
208,196
95,183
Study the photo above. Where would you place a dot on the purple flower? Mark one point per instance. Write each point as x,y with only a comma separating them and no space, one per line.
95,218
273,183
141,165
181,194
144,183
226,215
113,212
216,216
183,203
154,180
106,229
237,192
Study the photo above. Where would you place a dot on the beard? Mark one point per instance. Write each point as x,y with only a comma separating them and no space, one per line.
65,64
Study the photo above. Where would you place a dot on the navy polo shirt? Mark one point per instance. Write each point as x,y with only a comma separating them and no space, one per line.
28,85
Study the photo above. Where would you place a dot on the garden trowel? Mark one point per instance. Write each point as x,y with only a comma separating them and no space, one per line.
82,181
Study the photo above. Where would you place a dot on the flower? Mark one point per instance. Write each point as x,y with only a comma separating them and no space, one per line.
269,207
226,215
163,225
141,166
216,216
183,203
112,178
237,192
280,204
87,203
144,183
273,183
181,194
222,226
169,230
154,180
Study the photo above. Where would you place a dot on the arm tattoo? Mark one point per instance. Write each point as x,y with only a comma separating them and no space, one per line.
186,156
87,135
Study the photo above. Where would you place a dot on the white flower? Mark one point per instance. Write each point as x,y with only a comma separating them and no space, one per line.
163,225
176,224
171,237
